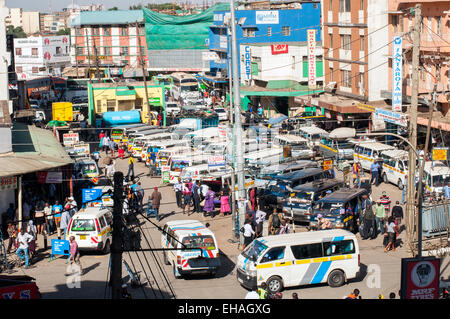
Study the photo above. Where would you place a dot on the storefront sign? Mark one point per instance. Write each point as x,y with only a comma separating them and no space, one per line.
440,153
49,177
327,115
327,165
222,131
312,58
279,48
420,278
397,74
70,139
60,247
391,117
247,63
7,183
267,17
91,196
339,117
20,291
216,161
366,107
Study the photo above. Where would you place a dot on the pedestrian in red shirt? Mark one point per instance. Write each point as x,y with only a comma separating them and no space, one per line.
121,152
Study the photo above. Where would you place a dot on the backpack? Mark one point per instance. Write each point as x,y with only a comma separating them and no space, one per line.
276,221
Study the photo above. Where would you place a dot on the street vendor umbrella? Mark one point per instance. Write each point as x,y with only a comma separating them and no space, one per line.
277,120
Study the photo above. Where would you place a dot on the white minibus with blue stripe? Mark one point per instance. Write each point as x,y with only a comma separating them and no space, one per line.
289,260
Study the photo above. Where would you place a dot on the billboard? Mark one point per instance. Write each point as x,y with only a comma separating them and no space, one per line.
267,17
397,74
311,58
247,63
420,278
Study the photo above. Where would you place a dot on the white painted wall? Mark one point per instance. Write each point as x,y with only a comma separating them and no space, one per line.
377,18
5,57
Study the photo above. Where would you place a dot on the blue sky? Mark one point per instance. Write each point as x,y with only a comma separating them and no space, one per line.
56,5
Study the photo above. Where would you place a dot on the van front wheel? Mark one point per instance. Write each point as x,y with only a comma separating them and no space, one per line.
385,180
166,260
274,285
336,278
400,184
107,248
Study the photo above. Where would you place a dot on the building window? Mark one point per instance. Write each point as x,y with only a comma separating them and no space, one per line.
78,32
346,40
18,51
34,51
286,31
395,23
139,102
346,79
361,83
107,50
94,31
331,75
362,43
123,50
124,32
110,105
439,25
249,32
79,51
344,5
106,31
35,69
99,106
331,40
269,31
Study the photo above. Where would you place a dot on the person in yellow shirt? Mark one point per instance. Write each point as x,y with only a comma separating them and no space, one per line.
130,168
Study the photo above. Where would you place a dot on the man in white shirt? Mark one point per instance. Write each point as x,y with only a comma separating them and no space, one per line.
72,206
248,233
260,216
49,222
204,189
23,239
178,188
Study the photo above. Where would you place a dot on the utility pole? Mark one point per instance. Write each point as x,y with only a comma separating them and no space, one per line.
410,207
144,74
97,67
117,238
237,116
88,54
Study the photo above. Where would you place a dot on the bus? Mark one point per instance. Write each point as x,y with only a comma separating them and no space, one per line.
48,88
178,162
165,80
185,86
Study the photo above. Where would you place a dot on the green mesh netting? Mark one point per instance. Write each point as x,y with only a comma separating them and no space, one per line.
168,32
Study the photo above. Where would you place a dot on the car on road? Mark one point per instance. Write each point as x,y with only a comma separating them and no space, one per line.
192,248
298,259
172,108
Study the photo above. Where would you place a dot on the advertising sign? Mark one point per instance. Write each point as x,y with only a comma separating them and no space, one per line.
267,17
8,183
81,149
397,74
392,117
327,165
311,58
279,48
216,161
49,177
440,153
247,63
19,291
91,195
165,174
420,278
222,131
60,247
70,139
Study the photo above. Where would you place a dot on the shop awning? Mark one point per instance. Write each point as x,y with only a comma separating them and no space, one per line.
34,150
211,79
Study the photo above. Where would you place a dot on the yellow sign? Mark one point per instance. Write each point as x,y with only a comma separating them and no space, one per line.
366,107
327,165
440,154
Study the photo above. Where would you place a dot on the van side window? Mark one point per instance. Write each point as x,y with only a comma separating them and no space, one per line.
109,219
307,251
400,166
102,222
368,152
338,248
273,254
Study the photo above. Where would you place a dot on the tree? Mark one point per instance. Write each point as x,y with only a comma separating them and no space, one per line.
113,9
65,31
136,7
16,32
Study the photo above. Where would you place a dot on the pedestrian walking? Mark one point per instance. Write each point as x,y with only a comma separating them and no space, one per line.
252,195
209,208
73,207
140,193
75,253
130,168
65,220
187,196
397,213
285,226
49,220
178,188
248,233
196,197
12,234
260,217
374,170
447,190
56,210
32,231
224,204
380,215
11,213
23,240
386,202
156,199
369,229
39,217
392,231
404,190
356,169
274,222
121,152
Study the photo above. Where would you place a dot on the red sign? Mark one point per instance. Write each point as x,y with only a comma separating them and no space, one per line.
26,291
420,278
279,48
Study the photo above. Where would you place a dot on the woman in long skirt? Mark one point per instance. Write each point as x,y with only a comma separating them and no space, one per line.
224,204
209,203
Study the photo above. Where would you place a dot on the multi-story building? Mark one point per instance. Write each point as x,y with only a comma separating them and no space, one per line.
41,56
434,58
29,21
112,36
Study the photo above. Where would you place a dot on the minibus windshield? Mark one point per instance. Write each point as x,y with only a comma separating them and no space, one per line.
83,225
254,250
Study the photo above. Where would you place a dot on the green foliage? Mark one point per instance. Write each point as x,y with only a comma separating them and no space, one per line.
162,6
65,31
17,32
113,9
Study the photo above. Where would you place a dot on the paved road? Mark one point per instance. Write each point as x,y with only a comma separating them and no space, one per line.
380,272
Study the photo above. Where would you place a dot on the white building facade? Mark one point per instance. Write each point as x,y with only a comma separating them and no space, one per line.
41,56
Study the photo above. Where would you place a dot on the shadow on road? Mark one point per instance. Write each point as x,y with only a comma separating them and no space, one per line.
226,268
91,267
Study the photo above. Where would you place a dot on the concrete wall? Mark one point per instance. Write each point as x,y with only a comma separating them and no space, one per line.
31,21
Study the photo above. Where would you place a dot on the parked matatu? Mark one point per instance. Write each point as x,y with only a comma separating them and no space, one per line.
298,206
341,207
298,259
335,144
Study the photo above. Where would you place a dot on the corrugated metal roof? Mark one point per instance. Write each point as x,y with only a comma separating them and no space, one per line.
34,150
107,17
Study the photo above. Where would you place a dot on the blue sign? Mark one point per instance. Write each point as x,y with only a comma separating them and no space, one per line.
91,195
247,63
397,74
60,247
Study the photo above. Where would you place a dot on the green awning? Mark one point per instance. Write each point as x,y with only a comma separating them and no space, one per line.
125,92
